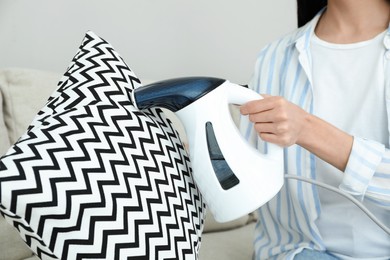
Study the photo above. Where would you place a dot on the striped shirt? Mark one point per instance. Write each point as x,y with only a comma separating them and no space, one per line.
287,223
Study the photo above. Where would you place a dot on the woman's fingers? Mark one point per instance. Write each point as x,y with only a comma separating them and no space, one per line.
275,119
257,106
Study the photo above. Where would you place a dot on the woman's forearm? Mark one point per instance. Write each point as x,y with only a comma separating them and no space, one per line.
326,141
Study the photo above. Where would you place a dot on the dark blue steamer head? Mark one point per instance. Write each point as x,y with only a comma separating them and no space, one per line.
174,94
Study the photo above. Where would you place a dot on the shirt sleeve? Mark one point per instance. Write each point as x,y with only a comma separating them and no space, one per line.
367,175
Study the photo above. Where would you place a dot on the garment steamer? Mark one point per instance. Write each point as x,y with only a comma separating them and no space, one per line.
233,177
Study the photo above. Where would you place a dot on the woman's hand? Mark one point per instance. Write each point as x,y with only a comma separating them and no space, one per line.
277,120
281,122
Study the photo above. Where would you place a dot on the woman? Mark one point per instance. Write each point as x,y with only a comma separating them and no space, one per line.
326,89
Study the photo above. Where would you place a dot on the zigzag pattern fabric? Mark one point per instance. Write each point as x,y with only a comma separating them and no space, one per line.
93,178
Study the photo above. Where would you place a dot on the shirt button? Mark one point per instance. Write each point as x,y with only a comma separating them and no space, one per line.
387,42
387,55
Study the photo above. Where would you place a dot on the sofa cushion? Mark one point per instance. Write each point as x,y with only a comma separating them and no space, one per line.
94,178
25,91
234,244
4,139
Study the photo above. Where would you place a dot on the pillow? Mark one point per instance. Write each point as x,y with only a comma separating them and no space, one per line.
93,178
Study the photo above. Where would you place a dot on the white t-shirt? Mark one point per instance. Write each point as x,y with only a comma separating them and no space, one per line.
348,85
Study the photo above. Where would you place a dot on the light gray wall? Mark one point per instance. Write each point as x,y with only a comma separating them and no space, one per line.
158,39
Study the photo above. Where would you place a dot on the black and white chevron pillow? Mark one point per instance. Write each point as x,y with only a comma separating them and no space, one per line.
93,178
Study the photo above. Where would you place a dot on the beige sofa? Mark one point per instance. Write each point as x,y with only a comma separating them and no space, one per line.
22,93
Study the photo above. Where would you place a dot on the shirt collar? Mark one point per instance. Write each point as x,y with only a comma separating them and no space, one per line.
304,35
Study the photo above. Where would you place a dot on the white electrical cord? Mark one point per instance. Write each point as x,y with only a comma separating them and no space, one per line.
344,194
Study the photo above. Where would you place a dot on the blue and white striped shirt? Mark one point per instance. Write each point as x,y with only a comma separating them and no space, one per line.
287,223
